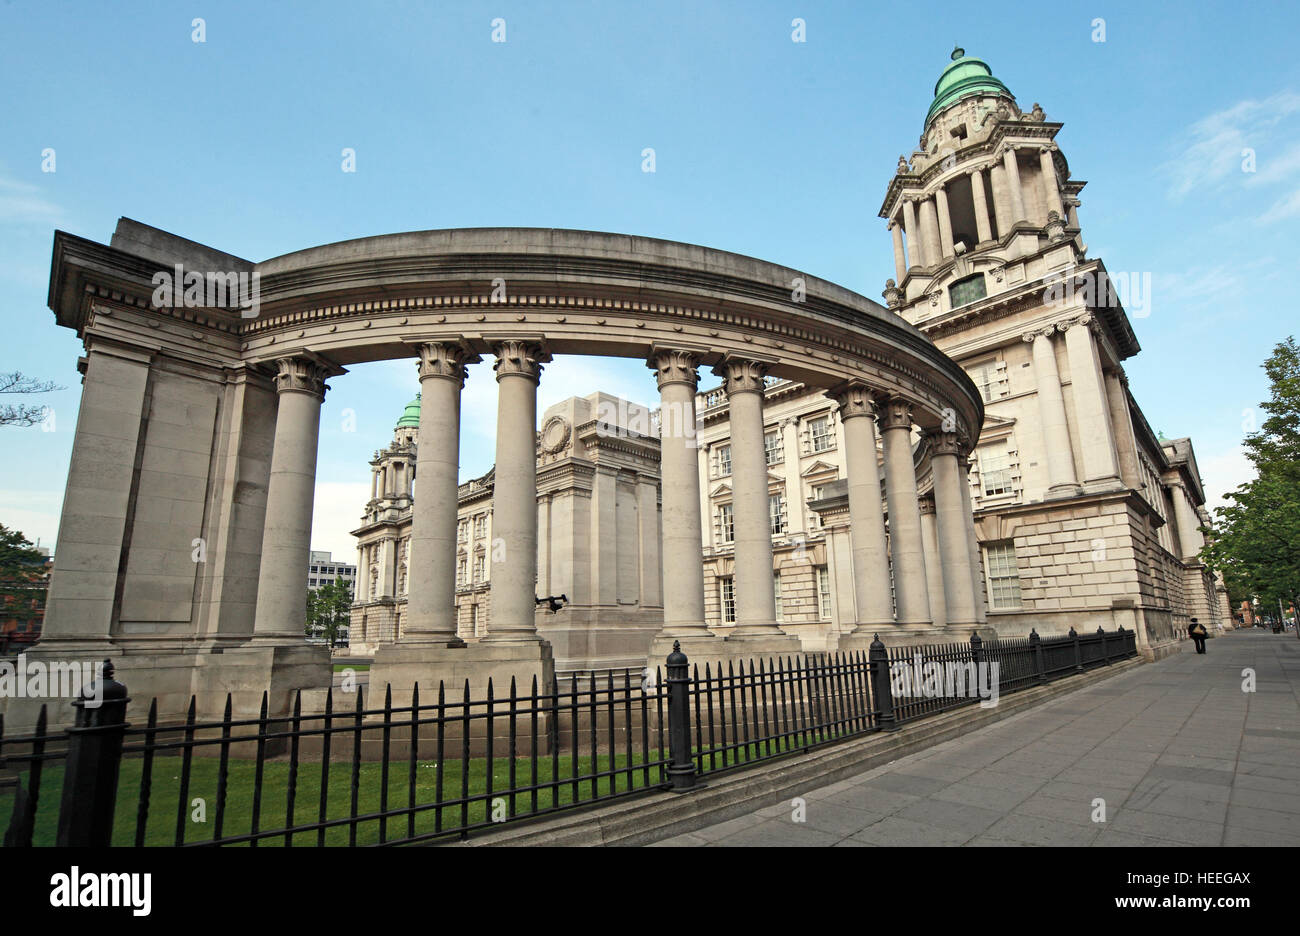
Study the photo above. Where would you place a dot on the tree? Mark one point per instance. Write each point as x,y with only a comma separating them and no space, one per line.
23,414
22,578
329,610
1255,542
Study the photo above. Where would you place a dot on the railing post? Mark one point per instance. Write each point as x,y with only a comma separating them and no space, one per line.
1105,654
94,756
880,688
1078,653
1036,645
681,769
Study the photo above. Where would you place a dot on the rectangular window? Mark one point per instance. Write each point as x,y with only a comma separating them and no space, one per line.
964,292
474,627
727,591
462,531
311,582
987,376
776,592
726,524
824,592
819,434
724,460
774,448
460,571
776,513
1003,576
480,567
995,470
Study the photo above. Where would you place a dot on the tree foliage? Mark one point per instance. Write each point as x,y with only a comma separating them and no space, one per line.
329,609
1255,541
22,577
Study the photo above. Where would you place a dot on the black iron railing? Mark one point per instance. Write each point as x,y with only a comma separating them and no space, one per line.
429,770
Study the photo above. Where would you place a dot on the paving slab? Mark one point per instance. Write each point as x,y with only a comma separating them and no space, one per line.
1179,754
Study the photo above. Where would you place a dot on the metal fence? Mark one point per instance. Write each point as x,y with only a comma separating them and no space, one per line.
445,768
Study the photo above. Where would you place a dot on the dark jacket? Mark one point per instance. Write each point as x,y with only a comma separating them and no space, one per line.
1191,630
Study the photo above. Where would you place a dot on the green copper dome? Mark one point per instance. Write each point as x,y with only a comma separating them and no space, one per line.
965,76
410,415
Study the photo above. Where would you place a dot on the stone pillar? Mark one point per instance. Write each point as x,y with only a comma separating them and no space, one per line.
910,588
683,528
914,256
1190,539
1051,187
900,261
1001,201
945,222
866,519
1122,421
976,567
1062,481
1096,436
982,225
951,518
1014,192
513,548
934,572
431,563
286,538
930,233
755,601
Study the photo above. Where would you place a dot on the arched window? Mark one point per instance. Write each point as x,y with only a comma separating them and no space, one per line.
968,290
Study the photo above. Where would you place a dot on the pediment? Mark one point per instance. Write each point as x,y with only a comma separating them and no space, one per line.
818,467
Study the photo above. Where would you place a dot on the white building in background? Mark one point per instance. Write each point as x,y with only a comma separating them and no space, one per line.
323,570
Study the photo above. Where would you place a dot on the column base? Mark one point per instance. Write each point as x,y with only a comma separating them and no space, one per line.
699,647
403,666
1062,491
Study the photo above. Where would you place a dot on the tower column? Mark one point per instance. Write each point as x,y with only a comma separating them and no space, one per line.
976,568
945,222
513,550
1016,194
755,599
951,521
1051,187
914,258
930,232
900,261
866,518
934,572
1051,414
983,229
1001,201
290,494
1096,436
431,562
910,588
683,530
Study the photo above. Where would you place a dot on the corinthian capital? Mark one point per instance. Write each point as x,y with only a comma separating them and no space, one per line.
854,398
673,366
944,443
446,360
522,358
302,375
893,413
741,376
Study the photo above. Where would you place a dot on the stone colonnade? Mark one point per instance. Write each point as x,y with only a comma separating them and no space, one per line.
922,225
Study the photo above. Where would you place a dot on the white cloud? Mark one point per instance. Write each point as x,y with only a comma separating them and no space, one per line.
35,514
336,514
1213,146
1222,472
23,204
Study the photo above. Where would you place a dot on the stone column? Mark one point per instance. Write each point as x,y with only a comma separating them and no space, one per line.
934,572
755,601
286,538
976,567
1014,192
900,261
910,588
431,564
1061,478
930,232
1096,436
1190,539
683,527
982,225
1051,187
1122,421
1001,201
914,257
951,520
866,519
945,222
513,548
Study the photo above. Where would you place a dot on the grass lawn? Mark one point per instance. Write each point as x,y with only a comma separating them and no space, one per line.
359,667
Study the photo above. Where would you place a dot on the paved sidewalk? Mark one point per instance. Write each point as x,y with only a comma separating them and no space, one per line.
1180,754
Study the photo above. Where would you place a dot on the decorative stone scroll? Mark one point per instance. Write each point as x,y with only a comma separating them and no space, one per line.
302,375
673,366
519,358
741,376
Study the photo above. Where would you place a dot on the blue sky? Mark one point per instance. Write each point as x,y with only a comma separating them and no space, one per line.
764,146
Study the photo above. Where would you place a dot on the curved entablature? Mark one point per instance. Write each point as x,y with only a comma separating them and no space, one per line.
574,292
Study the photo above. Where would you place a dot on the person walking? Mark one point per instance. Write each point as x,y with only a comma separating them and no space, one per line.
1196,631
